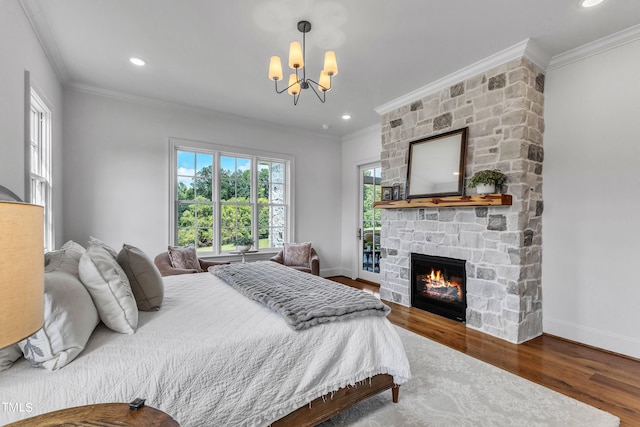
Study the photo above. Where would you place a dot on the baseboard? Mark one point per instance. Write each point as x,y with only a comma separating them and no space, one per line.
626,346
331,272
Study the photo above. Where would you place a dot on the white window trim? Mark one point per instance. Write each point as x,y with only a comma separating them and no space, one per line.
176,144
41,104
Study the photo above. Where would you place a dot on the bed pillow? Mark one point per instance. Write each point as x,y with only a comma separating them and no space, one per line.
184,257
95,241
297,254
8,355
144,277
110,289
69,319
65,259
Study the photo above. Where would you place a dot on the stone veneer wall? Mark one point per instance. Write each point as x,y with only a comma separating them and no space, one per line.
503,109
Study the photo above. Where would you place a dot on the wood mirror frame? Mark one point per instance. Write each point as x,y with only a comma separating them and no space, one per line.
436,165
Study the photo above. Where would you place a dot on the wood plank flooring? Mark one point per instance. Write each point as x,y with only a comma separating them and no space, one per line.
605,380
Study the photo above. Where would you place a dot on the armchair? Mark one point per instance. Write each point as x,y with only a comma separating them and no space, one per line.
163,262
313,267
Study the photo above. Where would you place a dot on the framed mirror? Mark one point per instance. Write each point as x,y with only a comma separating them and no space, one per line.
436,165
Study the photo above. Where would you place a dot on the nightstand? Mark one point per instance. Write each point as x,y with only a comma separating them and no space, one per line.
104,414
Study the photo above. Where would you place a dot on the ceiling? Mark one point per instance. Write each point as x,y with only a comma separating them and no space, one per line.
214,54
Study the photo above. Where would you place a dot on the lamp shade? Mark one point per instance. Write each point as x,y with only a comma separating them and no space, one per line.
275,68
325,81
330,63
21,271
294,85
295,55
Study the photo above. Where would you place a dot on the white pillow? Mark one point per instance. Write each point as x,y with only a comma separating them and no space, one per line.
8,355
69,319
66,258
110,289
96,241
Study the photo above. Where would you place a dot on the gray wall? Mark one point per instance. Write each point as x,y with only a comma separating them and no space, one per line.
591,290
20,51
117,174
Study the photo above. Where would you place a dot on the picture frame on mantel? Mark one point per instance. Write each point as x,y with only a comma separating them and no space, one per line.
387,193
436,165
396,192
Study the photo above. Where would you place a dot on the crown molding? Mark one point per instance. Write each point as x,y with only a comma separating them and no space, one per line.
137,99
590,49
364,131
123,96
36,18
525,48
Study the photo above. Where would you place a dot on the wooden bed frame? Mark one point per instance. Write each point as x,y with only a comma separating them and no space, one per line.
331,404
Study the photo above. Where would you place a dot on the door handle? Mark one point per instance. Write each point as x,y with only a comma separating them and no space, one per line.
359,233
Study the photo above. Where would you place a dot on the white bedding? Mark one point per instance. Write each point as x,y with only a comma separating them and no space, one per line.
210,357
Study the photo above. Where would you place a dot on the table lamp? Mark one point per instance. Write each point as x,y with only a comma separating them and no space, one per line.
21,271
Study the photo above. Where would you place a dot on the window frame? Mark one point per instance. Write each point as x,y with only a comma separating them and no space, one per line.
43,144
218,150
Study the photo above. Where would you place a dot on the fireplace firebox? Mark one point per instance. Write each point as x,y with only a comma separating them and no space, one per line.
438,285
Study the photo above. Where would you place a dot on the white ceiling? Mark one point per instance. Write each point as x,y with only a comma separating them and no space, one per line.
214,54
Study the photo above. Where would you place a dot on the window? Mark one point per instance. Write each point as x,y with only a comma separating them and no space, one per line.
40,163
220,195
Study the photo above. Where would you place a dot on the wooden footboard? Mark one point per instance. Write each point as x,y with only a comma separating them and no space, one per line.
327,406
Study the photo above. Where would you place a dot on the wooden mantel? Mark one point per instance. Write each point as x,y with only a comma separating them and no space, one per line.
446,202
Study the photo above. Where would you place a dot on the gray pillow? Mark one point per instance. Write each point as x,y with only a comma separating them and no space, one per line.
184,257
297,254
144,278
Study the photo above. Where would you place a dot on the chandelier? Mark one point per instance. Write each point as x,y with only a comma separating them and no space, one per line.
298,80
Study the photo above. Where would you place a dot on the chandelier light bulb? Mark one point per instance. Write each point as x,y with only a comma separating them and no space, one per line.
295,55
324,81
330,63
294,85
275,68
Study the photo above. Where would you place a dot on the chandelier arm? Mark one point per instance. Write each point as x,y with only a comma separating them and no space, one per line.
326,89
324,93
286,88
295,99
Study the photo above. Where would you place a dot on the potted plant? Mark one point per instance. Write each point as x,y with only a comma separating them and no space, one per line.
243,243
486,181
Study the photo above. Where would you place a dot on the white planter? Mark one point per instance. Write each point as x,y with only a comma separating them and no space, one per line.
485,188
243,248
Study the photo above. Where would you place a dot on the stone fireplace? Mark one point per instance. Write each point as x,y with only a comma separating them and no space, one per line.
501,246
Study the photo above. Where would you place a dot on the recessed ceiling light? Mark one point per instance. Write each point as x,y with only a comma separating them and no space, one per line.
346,116
137,61
590,3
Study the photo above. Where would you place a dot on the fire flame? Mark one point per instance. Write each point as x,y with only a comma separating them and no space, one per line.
436,279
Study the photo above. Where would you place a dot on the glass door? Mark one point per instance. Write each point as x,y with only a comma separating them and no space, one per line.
369,223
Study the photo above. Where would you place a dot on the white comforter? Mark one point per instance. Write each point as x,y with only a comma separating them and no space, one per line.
210,357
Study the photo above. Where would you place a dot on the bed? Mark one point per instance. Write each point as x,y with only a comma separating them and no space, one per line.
211,356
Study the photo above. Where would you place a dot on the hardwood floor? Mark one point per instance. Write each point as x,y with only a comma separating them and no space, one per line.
605,380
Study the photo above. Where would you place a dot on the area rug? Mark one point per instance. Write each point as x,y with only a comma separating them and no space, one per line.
452,389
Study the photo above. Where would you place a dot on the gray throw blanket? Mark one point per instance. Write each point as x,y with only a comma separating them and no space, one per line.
302,299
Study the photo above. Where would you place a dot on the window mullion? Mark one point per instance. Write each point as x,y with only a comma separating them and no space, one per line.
255,215
217,205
